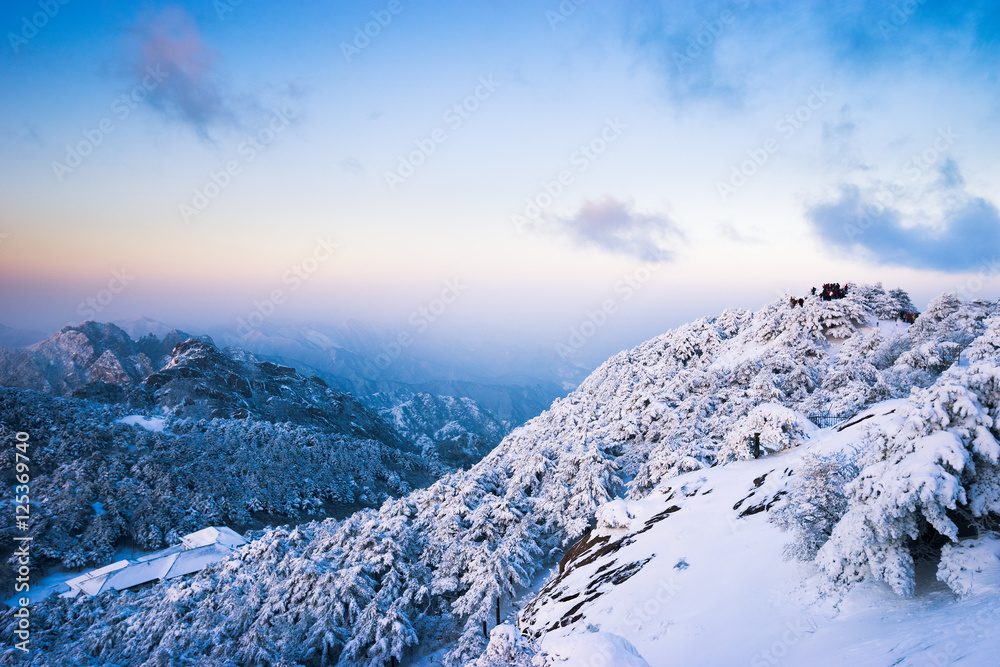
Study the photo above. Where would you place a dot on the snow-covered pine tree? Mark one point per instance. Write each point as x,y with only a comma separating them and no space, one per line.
943,458
779,429
816,501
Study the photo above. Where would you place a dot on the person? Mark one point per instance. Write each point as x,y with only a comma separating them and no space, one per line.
814,291
801,302
791,301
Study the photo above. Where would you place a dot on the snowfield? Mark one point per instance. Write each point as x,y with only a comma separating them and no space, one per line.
694,574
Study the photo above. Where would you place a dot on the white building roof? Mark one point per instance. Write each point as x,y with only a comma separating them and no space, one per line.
91,582
137,574
196,560
213,535
196,551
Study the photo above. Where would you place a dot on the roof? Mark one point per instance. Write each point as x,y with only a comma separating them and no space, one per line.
196,551
92,582
138,573
213,535
197,559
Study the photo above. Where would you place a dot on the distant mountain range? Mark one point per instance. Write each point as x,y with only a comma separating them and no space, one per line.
18,337
170,372
513,383
79,361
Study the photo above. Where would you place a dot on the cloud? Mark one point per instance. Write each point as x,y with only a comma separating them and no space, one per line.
968,231
169,53
682,41
615,227
352,165
728,230
726,50
951,176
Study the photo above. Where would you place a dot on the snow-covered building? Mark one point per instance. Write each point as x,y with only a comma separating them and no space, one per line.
196,551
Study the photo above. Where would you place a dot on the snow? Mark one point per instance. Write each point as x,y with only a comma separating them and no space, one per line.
686,559
593,649
93,582
714,589
138,573
53,582
156,424
195,560
213,535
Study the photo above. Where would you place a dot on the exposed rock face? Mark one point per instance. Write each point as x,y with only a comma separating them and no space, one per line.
67,362
201,381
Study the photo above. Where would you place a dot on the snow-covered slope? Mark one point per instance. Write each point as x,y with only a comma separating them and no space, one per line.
694,574
456,430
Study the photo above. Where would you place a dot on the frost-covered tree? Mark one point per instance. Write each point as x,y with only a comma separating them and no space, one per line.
853,382
816,501
506,649
941,460
987,346
779,428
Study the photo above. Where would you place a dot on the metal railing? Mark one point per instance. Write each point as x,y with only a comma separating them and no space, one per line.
826,421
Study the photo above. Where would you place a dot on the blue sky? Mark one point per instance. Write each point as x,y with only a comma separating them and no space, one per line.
541,154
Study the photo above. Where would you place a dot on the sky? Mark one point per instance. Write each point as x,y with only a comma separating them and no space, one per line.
507,169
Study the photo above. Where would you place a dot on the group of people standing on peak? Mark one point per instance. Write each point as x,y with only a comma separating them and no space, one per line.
830,292
906,316
833,291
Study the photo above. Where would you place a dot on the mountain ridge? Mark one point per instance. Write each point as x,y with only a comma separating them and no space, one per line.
437,565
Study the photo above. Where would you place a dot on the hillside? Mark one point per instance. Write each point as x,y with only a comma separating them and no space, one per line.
702,558
211,437
192,377
428,570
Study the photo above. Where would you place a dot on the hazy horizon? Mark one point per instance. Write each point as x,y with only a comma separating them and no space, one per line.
517,170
